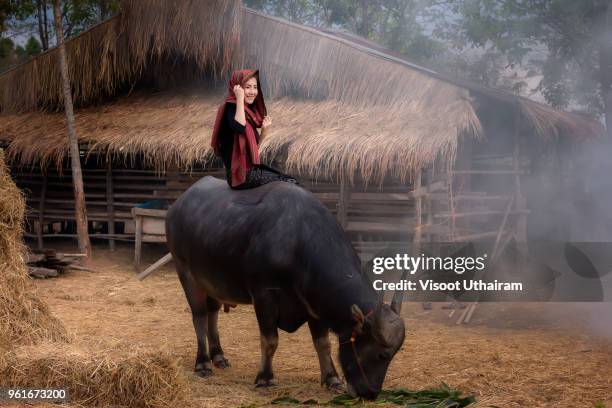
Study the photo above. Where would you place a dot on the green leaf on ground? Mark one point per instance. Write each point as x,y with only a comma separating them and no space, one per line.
441,397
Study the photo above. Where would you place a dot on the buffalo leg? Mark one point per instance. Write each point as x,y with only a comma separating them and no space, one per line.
320,338
216,352
266,310
196,297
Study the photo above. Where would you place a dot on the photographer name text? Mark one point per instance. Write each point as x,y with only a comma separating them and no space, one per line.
459,285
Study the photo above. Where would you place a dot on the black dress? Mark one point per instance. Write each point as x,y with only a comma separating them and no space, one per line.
259,174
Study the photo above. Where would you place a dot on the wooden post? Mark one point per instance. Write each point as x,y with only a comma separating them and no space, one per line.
41,210
110,202
398,295
519,200
343,201
137,243
418,215
75,157
429,207
496,247
451,200
418,221
463,170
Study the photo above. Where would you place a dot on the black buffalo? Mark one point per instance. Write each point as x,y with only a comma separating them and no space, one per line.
280,249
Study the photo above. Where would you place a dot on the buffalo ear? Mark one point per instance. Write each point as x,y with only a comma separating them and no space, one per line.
358,317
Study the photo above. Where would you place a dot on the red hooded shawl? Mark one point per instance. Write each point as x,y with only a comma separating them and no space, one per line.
245,152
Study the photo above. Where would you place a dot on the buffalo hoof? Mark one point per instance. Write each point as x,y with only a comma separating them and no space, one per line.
203,369
263,380
221,362
204,372
336,386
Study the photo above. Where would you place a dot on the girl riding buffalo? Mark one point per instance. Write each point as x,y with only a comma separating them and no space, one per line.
235,137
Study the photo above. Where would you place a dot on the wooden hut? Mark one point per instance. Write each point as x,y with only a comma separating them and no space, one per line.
398,151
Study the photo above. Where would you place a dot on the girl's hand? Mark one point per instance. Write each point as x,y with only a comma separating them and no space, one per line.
267,122
239,92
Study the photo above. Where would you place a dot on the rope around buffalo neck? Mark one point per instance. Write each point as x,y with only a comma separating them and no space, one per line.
352,340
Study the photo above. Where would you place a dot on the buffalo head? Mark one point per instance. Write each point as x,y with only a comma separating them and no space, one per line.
366,354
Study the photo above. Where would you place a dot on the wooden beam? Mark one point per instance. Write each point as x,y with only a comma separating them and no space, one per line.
161,262
480,213
357,196
149,212
118,237
40,272
491,172
468,317
474,237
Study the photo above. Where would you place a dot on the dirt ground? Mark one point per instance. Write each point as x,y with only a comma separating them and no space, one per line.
510,355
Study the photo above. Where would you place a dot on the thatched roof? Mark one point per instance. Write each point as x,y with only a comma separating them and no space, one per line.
319,139
115,53
354,70
338,104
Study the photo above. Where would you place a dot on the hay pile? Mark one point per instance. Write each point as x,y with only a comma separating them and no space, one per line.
100,378
24,318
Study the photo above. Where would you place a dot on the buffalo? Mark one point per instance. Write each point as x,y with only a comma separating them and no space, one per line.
279,248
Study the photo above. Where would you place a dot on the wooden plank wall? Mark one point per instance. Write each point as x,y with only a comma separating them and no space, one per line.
368,212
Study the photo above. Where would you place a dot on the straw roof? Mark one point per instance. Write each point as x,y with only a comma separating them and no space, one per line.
354,70
339,105
116,52
317,138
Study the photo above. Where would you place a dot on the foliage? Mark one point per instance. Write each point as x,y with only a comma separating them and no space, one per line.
442,397
400,25
33,19
568,42
562,49
11,54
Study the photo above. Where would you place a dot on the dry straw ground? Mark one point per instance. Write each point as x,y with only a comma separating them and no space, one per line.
509,356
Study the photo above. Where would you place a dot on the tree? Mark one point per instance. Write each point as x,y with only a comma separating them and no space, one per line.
11,55
32,47
35,17
569,42
75,157
396,24
7,9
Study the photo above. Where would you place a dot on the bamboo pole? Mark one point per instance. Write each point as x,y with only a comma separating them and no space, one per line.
75,158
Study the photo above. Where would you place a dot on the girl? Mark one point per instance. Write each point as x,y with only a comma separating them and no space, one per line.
235,137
